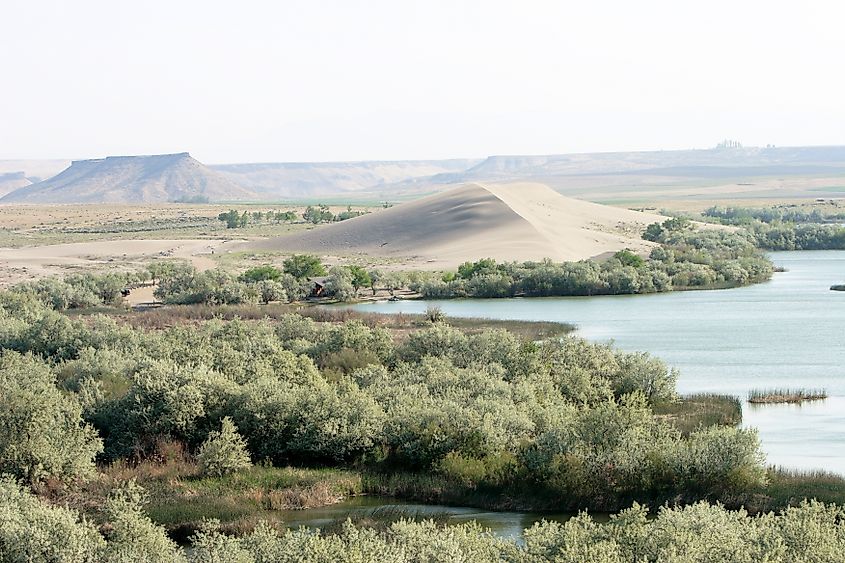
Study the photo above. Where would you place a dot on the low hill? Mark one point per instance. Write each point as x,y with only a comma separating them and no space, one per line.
520,221
316,179
133,179
11,181
706,174
34,170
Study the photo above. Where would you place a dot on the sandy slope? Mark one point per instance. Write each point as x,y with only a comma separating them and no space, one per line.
518,221
18,264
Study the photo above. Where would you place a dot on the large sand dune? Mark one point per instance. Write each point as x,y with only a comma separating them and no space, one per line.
519,221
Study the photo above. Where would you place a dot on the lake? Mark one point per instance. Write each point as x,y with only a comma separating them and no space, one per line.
788,332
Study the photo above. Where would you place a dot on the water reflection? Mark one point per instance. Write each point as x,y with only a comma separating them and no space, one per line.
509,525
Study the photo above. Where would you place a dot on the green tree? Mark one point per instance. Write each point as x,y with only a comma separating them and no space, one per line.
131,535
339,284
653,232
304,266
32,530
629,258
316,215
360,278
468,270
224,452
261,273
232,219
42,433
677,224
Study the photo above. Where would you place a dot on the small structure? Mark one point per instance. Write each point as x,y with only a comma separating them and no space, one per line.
318,287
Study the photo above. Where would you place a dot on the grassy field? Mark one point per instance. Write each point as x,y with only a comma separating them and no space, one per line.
37,225
399,324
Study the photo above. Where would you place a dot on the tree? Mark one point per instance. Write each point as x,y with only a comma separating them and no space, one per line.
339,284
653,232
317,215
269,290
232,219
348,214
469,269
261,273
32,530
676,224
375,277
42,433
360,278
224,452
132,535
286,216
304,266
629,258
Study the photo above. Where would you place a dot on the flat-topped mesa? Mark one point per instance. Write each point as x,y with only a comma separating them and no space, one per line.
133,179
507,222
117,158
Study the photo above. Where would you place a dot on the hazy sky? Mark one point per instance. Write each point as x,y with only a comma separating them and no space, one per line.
249,81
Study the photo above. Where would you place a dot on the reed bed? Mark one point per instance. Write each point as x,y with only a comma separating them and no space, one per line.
785,395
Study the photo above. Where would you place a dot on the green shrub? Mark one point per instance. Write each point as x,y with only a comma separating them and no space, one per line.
131,535
34,531
223,452
303,266
41,430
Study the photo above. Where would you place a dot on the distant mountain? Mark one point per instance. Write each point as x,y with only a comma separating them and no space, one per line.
10,181
725,172
315,179
133,179
34,170
732,172
698,163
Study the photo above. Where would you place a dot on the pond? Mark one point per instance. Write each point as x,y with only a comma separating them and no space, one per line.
508,525
788,332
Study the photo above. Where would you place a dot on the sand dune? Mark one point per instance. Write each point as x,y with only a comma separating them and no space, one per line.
518,221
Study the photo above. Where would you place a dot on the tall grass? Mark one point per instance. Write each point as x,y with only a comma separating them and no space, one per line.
701,410
381,517
788,487
785,395
171,315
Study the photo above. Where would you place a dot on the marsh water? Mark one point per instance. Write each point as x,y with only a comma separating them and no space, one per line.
508,525
788,332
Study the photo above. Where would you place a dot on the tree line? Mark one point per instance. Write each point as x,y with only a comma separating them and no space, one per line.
779,228
313,214
685,259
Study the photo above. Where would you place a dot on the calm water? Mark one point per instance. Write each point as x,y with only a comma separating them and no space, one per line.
789,332
508,525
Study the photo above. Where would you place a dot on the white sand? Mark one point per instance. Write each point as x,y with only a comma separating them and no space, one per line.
508,222
17,264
